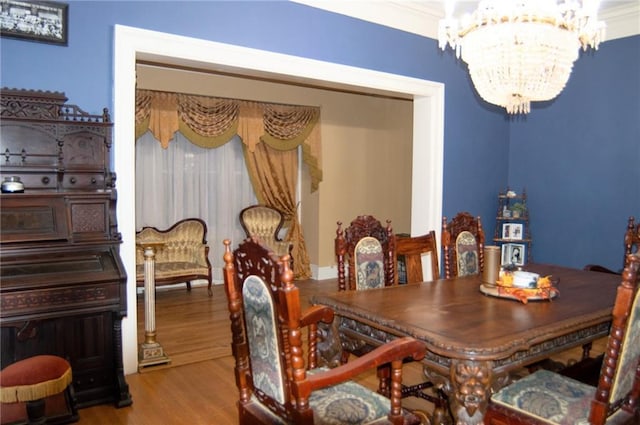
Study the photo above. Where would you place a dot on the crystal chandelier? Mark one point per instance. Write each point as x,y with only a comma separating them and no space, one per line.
522,51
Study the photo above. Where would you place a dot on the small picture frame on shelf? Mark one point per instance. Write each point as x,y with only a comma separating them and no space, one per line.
44,21
513,254
512,231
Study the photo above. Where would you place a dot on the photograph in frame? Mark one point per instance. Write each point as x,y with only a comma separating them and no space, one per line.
513,254
46,22
512,231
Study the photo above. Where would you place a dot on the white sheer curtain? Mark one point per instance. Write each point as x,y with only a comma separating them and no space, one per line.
189,181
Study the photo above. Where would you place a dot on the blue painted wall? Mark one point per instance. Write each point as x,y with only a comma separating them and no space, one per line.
484,150
579,159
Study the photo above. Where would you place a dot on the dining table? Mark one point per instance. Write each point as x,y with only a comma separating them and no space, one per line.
477,339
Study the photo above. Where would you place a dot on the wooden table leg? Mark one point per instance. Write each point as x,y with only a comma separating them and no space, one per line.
471,387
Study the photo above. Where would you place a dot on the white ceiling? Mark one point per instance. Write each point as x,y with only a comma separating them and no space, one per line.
622,17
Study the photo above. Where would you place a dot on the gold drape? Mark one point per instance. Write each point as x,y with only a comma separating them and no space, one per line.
210,122
277,188
270,134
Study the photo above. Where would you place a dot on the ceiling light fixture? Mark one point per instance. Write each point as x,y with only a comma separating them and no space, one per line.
522,51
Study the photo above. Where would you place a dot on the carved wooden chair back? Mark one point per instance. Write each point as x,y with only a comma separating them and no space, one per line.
631,246
368,249
631,239
549,398
462,245
276,383
265,223
410,251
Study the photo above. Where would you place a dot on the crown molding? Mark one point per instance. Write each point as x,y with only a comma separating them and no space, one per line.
422,17
623,20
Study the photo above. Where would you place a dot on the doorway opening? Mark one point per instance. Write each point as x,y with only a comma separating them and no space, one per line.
133,44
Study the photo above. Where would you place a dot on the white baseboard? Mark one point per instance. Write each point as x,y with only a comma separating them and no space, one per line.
322,273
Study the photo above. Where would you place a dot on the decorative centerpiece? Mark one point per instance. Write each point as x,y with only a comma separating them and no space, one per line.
522,286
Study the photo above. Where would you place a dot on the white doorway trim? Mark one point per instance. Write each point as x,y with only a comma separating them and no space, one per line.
131,44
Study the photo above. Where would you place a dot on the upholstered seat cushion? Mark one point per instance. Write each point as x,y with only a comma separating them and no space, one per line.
348,403
173,270
345,403
34,378
550,397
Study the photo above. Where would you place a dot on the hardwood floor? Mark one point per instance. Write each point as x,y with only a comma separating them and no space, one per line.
198,386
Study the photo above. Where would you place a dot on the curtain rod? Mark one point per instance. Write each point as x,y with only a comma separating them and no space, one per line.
230,98
270,80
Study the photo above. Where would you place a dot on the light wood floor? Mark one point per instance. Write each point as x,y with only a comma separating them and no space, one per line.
197,388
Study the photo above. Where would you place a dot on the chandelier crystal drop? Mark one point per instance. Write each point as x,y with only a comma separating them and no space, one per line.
522,51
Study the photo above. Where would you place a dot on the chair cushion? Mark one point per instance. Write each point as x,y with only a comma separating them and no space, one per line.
34,378
550,397
173,270
348,403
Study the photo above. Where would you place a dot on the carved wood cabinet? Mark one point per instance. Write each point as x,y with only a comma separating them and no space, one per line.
62,283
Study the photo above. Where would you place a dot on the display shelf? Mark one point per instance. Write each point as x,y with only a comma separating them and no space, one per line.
513,231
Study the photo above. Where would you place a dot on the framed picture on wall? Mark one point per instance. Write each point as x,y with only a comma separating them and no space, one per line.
44,21
512,231
513,254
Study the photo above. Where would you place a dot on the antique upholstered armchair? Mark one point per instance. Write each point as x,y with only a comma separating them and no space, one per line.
409,251
368,249
265,222
277,385
462,245
184,255
631,245
545,397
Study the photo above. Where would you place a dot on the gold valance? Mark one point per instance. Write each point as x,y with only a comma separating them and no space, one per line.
209,122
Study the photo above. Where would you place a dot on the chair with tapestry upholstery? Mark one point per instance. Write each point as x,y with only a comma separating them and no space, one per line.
368,250
545,397
265,222
462,245
276,382
631,245
410,251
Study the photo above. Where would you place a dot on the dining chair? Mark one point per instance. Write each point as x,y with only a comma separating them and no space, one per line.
368,249
410,251
276,383
586,368
631,245
462,245
265,222
545,397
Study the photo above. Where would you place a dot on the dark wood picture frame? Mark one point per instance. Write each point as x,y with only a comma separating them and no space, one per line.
44,21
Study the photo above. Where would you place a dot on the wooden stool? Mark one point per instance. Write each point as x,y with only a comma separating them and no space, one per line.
32,380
